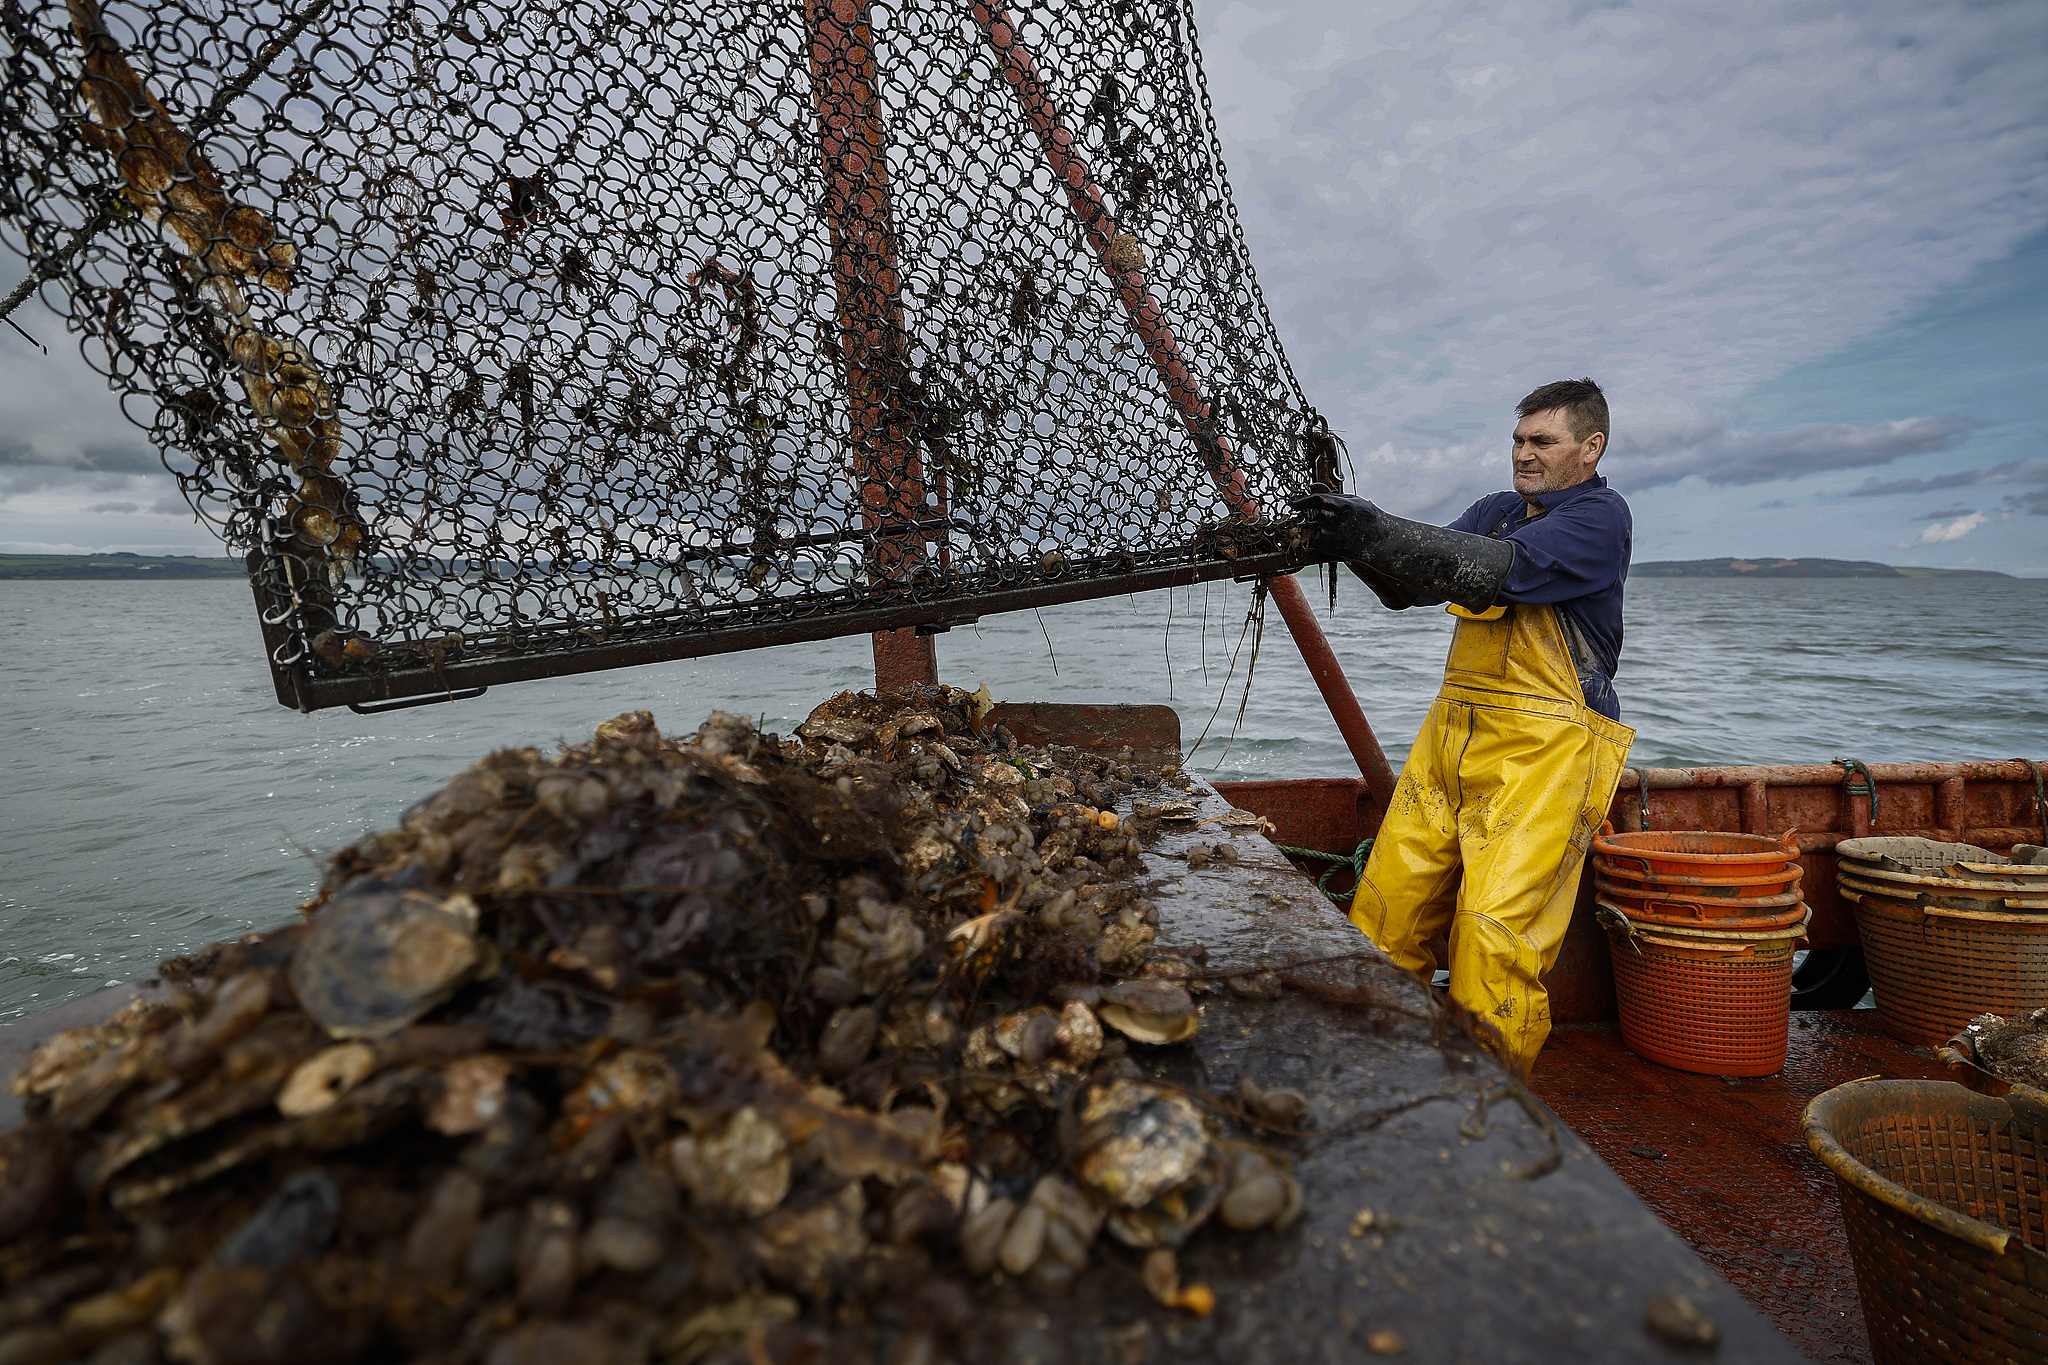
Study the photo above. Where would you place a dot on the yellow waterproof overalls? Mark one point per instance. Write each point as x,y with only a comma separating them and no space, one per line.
1509,778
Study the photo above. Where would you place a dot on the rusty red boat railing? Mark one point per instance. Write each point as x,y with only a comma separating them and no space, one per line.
1995,803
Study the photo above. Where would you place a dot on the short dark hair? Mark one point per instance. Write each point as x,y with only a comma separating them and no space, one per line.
1585,407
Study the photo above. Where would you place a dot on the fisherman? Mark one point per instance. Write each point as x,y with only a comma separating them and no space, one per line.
1520,756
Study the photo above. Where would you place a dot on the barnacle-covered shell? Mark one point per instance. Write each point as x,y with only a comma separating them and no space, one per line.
1137,1141
807,1248
1079,1033
374,961
744,1167
1173,1217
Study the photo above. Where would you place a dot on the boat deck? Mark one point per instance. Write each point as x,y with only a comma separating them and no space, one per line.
1720,1160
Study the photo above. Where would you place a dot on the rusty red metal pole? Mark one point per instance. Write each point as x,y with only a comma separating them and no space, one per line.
1059,144
871,334
1335,687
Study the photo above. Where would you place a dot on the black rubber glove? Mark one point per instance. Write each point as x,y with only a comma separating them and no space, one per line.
1393,595
1411,556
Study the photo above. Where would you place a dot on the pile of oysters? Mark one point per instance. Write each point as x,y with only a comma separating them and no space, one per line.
725,1047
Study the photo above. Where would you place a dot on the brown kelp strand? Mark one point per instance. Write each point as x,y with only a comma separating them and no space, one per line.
654,1049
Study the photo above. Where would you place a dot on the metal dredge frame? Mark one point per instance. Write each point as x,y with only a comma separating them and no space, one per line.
517,343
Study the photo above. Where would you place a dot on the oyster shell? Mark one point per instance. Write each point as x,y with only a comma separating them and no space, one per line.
744,1167
1279,1106
1158,1029
374,961
1137,1141
1172,1218
1150,1010
1261,1194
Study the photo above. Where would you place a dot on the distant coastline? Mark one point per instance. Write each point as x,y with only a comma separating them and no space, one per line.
123,565
120,564
1771,567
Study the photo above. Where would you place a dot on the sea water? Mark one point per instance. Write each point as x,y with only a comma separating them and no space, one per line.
156,797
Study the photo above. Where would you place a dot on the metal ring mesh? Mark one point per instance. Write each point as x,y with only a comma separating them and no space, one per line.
557,336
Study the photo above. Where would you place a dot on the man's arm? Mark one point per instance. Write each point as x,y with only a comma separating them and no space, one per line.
1572,551
1412,558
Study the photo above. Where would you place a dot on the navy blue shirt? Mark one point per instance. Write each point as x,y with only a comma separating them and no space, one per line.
1573,554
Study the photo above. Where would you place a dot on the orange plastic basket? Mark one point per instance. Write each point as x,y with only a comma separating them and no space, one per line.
1694,853
1718,1005
1714,912
1741,880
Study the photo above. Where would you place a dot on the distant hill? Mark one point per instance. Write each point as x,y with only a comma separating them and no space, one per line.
120,564
1793,568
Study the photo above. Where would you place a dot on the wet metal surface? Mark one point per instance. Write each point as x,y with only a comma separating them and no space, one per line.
1724,1165
1459,1257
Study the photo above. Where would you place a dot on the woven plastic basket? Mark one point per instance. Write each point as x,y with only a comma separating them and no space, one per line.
1694,853
1710,1001
1942,1198
1937,967
1746,879
1713,912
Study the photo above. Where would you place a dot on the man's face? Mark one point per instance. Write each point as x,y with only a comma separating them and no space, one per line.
1548,457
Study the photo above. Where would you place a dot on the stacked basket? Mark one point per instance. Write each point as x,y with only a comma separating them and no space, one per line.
1949,931
1702,927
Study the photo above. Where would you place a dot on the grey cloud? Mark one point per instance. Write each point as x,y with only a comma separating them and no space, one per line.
112,459
113,507
17,480
125,459
2012,471
1724,457
1945,513
95,468
1449,206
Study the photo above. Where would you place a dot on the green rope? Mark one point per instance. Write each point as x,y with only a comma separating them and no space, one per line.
1355,861
1852,766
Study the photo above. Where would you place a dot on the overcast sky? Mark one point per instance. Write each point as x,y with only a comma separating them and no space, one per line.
1804,247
